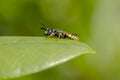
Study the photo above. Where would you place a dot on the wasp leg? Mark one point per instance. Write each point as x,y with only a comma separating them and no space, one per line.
48,36
52,34
60,35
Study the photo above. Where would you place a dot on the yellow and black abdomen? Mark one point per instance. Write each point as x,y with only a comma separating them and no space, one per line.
72,36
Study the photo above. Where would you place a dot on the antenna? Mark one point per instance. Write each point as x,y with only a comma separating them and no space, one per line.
43,27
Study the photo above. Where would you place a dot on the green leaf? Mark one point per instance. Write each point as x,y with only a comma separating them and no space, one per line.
26,55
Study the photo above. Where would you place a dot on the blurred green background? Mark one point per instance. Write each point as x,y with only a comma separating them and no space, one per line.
97,23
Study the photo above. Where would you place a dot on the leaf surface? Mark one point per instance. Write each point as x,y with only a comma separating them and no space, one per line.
26,55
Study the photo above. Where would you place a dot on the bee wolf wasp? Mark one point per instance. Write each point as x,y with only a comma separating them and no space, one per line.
58,33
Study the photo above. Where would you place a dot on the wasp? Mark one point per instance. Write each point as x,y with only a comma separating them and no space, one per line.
58,33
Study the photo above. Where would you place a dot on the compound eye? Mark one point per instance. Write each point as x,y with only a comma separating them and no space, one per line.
48,32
